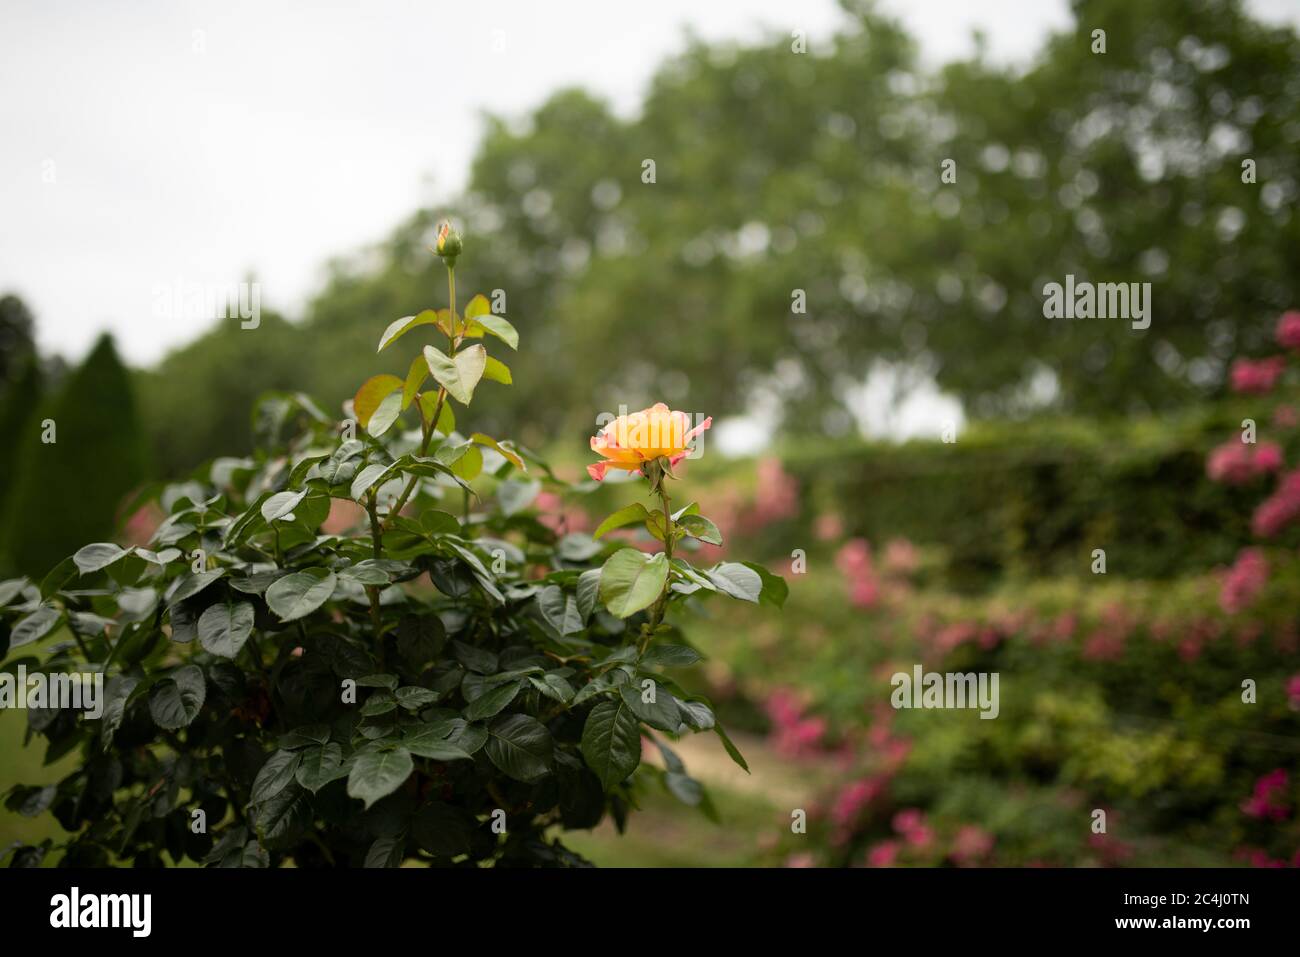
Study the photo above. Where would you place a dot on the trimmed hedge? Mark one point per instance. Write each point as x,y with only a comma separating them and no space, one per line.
1022,500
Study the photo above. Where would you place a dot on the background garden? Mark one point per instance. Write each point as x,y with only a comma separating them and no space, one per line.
1171,449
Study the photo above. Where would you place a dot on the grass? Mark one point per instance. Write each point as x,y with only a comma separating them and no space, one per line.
25,765
665,833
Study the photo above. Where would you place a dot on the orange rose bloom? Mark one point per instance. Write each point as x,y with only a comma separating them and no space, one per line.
630,441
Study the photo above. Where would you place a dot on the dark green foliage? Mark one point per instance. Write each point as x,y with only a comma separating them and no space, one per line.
17,344
69,491
428,684
18,402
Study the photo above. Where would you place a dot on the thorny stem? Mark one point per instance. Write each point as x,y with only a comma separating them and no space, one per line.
372,591
428,427
660,605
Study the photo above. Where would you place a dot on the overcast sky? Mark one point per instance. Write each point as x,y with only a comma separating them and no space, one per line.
161,147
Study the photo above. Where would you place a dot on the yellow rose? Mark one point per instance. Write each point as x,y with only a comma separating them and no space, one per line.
630,441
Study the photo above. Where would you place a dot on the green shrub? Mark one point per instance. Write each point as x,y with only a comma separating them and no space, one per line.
451,681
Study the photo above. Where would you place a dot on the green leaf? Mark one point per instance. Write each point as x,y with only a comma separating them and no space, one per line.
497,371
692,509
386,852
281,504
493,702
11,589
503,447
736,580
464,460
420,638
377,774
192,584
176,700
697,714
388,412
366,478
319,766
35,626
732,750
415,376
661,713
400,327
497,326
631,515
58,576
274,775
381,702
305,736
301,593
477,306
631,581
279,816
413,698
446,423
588,592
458,375
468,737
775,588
475,659
559,610
611,742
577,547
116,692
671,656
372,392
697,526
225,626
553,686
430,741
92,558
520,747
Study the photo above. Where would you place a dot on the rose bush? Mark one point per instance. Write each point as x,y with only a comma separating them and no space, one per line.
446,678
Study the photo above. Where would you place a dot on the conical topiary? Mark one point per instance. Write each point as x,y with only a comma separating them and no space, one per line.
66,492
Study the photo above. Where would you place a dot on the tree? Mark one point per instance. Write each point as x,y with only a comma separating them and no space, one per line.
77,460
16,338
799,228
19,402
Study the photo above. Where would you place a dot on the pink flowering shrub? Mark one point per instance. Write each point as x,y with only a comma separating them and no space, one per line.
794,734
1236,463
1244,580
1288,330
1270,800
1256,376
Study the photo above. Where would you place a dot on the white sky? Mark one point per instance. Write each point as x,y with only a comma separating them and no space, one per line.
189,143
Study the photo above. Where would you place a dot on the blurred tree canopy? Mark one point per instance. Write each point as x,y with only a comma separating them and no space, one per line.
777,172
